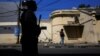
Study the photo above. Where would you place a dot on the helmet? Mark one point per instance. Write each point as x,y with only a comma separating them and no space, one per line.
29,3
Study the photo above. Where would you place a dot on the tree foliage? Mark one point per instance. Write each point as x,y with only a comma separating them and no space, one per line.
84,6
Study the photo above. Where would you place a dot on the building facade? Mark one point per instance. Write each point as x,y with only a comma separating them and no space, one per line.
67,20
80,26
90,19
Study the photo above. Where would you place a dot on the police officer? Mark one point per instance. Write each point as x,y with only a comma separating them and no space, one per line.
30,29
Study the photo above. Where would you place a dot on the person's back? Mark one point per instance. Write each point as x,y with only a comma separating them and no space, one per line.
62,36
62,33
29,21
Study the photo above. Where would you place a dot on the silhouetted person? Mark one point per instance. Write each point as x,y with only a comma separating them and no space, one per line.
62,36
30,29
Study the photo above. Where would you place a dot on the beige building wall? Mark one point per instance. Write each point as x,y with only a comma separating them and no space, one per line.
58,23
7,39
97,29
89,31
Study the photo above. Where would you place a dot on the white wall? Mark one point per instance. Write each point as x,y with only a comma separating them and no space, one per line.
45,34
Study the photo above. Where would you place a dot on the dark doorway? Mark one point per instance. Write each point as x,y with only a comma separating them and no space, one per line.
97,17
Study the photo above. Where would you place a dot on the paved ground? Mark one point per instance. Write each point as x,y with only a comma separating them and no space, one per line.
15,50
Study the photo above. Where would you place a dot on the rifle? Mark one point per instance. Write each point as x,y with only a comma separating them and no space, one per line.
39,19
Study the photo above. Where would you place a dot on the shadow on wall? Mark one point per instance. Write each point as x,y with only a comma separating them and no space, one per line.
74,32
